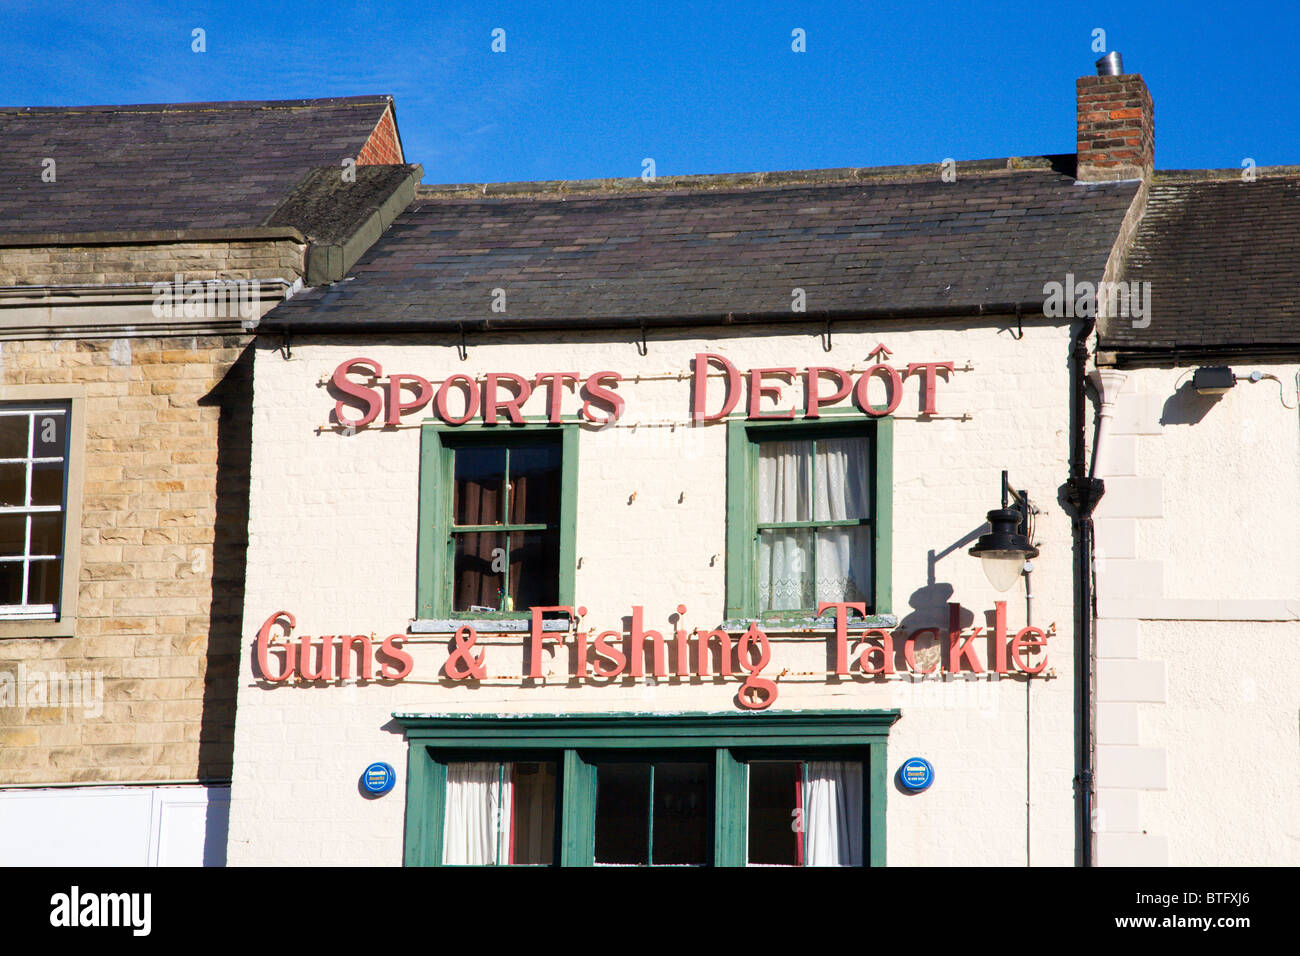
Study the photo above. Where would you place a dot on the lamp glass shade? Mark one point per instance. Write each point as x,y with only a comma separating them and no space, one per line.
1003,568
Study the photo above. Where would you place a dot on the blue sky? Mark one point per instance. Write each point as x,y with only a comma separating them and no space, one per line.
592,89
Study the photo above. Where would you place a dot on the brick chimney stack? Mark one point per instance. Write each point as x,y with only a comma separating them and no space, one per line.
1116,132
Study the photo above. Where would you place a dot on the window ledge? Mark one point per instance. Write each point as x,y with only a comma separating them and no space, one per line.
523,625
818,625
512,625
31,627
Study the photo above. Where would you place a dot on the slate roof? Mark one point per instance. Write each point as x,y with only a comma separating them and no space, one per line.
1223,260
169,166
859,242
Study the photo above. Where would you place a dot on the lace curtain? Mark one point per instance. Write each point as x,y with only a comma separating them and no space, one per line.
796,485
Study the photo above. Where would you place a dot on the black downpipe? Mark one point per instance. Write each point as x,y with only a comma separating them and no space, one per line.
1083,493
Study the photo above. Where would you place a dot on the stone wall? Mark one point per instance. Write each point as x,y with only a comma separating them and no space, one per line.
149,262
161,564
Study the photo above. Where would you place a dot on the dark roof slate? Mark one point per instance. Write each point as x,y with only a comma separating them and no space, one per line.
169,166
909,243
1223,260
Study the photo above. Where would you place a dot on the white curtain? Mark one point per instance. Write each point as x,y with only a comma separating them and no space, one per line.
832,801
843,479
843,492
476,827
786,493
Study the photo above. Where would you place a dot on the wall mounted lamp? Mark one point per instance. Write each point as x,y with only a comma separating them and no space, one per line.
1213,380
1006,548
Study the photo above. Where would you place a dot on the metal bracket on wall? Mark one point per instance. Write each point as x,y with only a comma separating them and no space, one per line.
642,348
462,349
826,337
286,346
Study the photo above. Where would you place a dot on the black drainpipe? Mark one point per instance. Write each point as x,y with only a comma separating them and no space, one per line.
1083,493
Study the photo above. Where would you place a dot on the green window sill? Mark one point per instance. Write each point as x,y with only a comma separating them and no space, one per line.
490,623
805,621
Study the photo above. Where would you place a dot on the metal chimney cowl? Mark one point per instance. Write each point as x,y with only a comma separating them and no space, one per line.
1112,64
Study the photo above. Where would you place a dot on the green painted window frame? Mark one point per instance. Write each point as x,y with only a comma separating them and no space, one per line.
578,740
743,438
435,562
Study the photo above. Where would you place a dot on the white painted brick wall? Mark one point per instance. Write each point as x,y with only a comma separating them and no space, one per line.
1117,638
1116,540
332,538
1132,498
1117,723
1117,811
1131,579
1139,767
1131,849
1121,680
1202,664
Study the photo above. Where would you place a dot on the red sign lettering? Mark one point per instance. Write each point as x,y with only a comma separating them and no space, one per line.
314,659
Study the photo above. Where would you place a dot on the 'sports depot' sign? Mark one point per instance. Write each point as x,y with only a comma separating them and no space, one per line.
501,396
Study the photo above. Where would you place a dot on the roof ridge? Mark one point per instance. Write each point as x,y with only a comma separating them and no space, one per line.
323,102
846,175
1162,177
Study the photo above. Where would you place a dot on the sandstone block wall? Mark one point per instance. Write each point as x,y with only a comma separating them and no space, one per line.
160,573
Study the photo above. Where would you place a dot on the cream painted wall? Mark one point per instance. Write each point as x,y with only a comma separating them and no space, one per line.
1197,574
332,538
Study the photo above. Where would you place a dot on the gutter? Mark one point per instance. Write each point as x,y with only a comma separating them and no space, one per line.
351,326
1173,356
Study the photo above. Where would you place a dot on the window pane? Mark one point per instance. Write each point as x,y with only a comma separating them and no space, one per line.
784,481
13,484
499,813
43,587
13,435
775,812
532,813
844,564
785,570
47,534
480,478
535,484
623,813
681,814
843,479
476,583
47,483
11,582
534,568
13,534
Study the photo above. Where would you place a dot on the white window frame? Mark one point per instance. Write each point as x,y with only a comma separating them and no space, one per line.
19,621
25,610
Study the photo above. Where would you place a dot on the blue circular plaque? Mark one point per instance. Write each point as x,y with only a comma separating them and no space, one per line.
916,774
379,778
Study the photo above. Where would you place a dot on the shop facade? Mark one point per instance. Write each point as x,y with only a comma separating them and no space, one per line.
560,510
